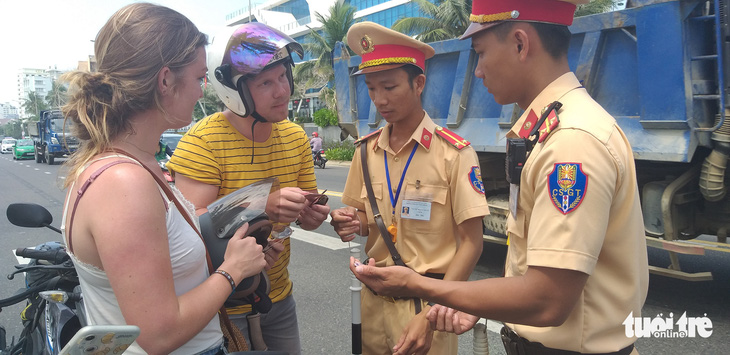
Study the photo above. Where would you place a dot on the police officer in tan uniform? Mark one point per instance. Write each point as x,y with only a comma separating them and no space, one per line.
577,264
427,187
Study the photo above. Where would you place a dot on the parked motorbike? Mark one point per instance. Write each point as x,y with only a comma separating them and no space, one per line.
320,159
54,306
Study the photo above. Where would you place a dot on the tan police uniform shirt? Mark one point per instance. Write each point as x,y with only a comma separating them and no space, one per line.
438,176
578,209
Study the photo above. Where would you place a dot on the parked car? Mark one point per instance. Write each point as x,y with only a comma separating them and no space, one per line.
171,139
23,149
7,145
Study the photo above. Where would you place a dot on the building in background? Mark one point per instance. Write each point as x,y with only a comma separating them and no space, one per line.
39,81
296,17
88,65
8,111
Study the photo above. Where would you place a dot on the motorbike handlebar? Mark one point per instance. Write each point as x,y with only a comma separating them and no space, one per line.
54,256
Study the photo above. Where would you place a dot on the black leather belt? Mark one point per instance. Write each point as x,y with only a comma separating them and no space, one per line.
517,345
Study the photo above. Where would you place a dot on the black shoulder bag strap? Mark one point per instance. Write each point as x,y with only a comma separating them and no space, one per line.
379,218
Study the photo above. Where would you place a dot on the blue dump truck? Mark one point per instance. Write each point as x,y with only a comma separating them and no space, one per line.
660,67
51,138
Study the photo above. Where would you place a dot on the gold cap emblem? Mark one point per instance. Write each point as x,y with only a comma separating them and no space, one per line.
367,44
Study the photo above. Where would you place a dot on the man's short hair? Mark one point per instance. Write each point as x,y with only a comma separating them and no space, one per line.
413,72
555,38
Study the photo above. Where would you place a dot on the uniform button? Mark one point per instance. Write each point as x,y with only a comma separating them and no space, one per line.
396,159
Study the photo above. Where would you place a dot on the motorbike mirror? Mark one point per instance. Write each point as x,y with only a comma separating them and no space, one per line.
29,215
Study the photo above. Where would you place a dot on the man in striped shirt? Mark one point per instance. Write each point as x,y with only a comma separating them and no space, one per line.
250,141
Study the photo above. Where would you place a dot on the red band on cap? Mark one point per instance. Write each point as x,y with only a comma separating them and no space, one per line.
549,11
385,51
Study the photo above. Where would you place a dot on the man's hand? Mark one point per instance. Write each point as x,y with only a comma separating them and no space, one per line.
272,254
285,204
346,223
447,319
416,337
312,215
386,281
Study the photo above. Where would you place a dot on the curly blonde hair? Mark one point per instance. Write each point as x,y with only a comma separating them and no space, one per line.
131,48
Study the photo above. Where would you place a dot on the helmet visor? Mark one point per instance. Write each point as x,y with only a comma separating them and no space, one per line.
254,46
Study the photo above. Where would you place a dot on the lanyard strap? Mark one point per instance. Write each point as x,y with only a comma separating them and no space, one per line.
394,198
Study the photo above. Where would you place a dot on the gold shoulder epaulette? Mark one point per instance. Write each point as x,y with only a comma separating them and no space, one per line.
373,134
451,137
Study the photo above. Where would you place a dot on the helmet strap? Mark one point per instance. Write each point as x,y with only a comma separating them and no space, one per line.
245,95
256,119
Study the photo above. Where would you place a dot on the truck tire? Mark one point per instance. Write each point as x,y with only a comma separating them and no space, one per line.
38,156
48,157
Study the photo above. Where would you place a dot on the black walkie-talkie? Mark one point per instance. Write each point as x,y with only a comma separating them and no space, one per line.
518,149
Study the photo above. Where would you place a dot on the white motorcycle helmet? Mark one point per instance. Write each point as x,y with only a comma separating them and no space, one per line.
240,52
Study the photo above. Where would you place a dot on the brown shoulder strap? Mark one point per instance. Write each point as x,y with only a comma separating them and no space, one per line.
80,193
379,218
376,212
170,196
183,211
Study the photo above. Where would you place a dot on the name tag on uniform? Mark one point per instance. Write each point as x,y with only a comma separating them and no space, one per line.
514,195
412,209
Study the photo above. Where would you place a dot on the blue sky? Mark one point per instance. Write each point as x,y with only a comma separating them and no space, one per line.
58,33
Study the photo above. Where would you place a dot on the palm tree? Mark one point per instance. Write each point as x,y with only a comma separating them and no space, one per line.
318,72
57,97
208,104
595,7
33,105
445,19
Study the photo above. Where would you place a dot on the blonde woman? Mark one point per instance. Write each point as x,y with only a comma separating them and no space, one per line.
139,260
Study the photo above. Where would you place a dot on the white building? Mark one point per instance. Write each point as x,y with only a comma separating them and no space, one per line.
8,111
39,81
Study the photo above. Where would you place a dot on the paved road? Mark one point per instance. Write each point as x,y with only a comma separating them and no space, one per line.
322,280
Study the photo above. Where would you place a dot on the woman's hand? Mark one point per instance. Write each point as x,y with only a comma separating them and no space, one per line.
243,257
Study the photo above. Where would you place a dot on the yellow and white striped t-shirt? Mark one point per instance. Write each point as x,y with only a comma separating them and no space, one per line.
215,153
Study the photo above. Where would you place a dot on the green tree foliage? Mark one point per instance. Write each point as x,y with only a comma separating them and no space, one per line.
596,7
445,19
325,117
12,129
58,96
33,105
317,72
339,150
208,104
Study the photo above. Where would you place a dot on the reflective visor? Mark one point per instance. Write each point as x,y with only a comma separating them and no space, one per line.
252,47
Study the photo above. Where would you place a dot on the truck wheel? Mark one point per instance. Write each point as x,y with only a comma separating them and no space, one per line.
38,156
49,157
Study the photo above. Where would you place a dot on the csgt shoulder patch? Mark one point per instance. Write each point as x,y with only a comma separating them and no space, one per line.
567,185
475,178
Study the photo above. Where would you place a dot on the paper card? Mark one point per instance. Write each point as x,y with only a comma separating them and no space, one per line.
420,210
